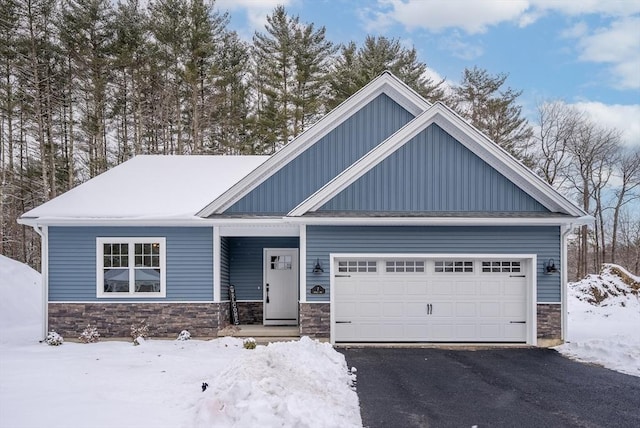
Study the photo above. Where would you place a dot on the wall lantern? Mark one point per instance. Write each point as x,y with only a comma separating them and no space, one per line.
318,267
550,267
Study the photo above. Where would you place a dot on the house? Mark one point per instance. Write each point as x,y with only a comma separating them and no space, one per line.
390,220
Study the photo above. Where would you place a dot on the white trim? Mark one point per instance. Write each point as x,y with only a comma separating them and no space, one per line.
282,228
467,135
250,301
217,277
131,241
386,83
43,231
564,279
302,265
440,221
530,261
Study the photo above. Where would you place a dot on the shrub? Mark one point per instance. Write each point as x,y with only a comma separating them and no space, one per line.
139,331
89,335
54,339
184,335
249,343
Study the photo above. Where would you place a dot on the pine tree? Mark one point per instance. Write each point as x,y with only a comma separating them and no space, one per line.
356,67
481,99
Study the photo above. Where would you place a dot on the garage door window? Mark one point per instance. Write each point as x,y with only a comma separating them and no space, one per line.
453,266
500,266
352,266
405,266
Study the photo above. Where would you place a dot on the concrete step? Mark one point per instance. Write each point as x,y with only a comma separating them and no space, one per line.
261,331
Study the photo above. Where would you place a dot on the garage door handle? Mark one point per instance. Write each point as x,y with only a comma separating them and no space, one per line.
342,276
517,276
517,322
343,322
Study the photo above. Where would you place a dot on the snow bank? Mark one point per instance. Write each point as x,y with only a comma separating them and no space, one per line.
20,302
301,384
604,320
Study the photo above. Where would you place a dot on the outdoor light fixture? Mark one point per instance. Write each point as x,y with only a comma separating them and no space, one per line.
550,267
318,267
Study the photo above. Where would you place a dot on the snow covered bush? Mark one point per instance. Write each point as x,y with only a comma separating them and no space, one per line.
249,343
89,335
184,335
54,339
139,331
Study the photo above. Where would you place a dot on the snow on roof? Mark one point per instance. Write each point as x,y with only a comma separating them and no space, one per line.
150,186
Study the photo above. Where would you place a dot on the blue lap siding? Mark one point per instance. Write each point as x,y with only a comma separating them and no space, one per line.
543,241
72,261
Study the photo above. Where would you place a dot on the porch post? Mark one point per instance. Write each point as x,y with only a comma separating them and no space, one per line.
216,264
303,264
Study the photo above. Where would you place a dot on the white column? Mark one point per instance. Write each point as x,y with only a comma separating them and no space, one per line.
217,281
303,263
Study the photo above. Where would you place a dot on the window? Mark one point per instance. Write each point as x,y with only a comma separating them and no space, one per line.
281,263
405,266
453,266
369,266
131,267
500,266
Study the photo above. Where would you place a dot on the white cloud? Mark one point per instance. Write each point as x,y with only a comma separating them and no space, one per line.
618,45
625,118
256,10
459,47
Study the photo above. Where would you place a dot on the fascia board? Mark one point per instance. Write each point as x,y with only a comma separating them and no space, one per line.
385,83
441,221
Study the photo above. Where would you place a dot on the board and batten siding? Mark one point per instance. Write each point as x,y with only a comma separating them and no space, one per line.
543,241
246,262
325,159
433,172
225,280
72,262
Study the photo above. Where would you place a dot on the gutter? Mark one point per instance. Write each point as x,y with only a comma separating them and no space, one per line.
44,274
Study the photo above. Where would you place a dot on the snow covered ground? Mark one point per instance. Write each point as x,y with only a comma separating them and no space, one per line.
301,384
159,383
604,320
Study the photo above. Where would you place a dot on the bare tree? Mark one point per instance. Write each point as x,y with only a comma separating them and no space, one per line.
628,169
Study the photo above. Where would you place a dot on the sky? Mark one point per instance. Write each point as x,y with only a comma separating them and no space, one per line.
584,52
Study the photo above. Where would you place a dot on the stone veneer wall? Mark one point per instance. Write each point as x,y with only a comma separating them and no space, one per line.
315,320
250,312
115,319
549,321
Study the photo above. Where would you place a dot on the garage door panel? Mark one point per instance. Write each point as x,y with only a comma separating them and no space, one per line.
428,306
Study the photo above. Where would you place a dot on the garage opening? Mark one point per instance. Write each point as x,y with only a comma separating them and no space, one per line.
486,299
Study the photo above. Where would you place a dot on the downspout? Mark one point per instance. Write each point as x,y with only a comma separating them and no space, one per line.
563,280
44,273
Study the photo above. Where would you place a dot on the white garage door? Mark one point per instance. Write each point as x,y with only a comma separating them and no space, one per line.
434,300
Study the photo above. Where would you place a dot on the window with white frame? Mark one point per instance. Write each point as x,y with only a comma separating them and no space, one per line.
131,267
453,266
362,266
405,266
500,266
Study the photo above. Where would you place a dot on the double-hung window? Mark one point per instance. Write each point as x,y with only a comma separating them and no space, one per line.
131,267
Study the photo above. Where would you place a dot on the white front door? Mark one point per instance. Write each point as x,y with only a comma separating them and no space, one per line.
281,286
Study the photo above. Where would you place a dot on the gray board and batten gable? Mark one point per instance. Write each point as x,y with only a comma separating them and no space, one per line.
433,172
325,159
541,240
72,262
246,263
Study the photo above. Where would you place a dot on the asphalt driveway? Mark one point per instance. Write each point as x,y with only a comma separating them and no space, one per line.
507,387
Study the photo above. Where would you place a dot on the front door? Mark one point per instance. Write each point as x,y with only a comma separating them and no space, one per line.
281,286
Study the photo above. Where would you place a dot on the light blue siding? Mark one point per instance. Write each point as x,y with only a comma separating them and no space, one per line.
433,172
324,160
543,241
72,261
225,280
246,262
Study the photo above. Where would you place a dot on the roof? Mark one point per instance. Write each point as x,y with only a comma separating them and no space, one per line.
149,186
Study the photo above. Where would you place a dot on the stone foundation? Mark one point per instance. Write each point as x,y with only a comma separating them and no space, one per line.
115,319
315,320
250,312
549,323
